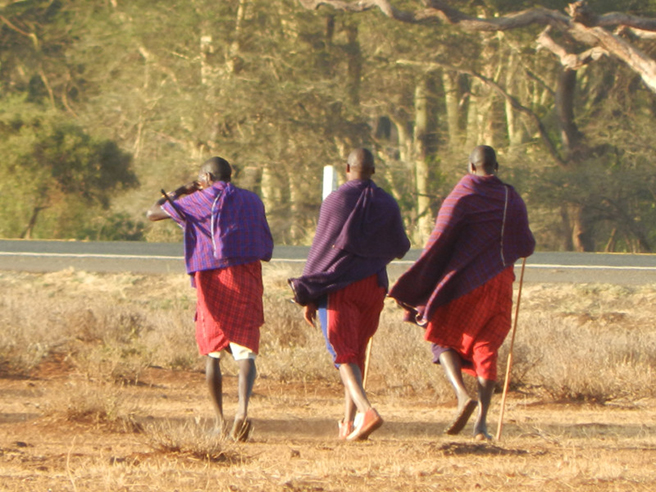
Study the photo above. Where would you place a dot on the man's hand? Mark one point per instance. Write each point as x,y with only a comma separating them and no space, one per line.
187,189
310,314
157,213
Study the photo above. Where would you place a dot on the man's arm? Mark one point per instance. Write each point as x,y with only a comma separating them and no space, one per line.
156,212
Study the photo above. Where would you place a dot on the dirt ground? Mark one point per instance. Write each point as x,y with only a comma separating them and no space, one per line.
546,447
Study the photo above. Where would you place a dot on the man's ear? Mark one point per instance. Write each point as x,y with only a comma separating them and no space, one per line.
348,167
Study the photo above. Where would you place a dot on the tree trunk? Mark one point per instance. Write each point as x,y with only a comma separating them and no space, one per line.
566,235
569,133
27,232
268,189
452,101
517,134
423,136
581,233
573,153
472,134
296,232
354,55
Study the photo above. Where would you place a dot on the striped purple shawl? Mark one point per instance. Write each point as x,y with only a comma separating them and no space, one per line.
466,248
359,232
223,226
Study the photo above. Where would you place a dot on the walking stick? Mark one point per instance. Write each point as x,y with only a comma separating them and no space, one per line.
506,383
366,363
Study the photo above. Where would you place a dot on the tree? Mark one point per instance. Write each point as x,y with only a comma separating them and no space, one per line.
579,22
53,166
583,38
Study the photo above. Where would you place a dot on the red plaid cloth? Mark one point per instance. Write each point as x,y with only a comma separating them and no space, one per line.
229,307
476,324
353,315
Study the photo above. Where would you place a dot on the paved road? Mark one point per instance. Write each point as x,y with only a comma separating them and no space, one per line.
140,257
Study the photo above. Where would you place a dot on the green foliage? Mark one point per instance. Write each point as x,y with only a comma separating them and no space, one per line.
53,168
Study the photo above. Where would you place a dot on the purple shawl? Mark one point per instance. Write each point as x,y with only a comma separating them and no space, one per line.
223,226
360,231
466,247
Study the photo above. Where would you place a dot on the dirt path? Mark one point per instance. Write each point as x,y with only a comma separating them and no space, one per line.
293,447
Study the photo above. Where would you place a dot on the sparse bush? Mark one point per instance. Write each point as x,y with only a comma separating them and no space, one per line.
189,439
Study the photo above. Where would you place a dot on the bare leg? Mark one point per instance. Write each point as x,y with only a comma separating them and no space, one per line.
215,385
452,364
370,419
349,406
485,391
352,379
247,374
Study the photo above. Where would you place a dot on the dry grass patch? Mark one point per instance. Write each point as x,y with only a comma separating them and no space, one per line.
190,440
96,405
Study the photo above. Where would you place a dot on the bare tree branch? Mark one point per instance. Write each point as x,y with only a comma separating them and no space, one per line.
11,26
579,22
638,33
569,60
44,79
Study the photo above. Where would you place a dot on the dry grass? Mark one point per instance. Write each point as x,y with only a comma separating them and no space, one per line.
578,343
102,389
97,405
191,440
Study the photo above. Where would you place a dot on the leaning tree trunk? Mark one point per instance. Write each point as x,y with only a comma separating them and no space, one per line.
27,232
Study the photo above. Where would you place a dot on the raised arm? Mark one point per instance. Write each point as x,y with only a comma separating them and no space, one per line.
156,212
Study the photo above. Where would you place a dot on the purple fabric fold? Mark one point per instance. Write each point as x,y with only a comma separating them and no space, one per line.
466,247
360,230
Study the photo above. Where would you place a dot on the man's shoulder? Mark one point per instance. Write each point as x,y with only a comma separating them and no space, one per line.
245,194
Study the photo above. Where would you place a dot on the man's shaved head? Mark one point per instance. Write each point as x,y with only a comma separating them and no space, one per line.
484,160
361,164
218,167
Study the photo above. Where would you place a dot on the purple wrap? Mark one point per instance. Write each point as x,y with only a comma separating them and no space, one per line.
360,231
466,247
223,226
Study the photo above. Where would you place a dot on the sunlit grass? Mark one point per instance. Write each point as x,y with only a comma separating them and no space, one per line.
585,342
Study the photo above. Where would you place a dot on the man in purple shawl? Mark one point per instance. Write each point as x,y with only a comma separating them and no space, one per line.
460,288
359,232
226,235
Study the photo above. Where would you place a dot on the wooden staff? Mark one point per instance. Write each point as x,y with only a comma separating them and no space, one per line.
506,383
175,207
366,363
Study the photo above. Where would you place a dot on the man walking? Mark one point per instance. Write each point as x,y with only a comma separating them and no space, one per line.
359,232
226,235
461,286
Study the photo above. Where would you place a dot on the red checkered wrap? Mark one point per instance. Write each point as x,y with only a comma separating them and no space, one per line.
229,307
353,315
476,324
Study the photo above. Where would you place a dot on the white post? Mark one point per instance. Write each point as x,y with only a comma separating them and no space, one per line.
329,181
